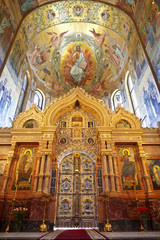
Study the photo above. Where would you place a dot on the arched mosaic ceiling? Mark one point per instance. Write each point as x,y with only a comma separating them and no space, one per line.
72,43
27,5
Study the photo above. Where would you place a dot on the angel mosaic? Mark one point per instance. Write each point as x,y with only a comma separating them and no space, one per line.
78,10
55,38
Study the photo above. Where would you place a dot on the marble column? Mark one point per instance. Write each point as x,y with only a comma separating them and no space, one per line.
143,161
36,174
117,179
6,175
145,174
47,174
41,174
111,173
105,173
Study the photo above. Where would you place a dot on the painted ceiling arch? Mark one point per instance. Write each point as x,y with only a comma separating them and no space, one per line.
75,43
13,13
52,35
24,7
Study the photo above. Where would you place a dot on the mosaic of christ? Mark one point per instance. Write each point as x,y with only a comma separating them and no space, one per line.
78,64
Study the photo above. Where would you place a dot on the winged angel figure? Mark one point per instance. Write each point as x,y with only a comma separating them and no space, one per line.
55,39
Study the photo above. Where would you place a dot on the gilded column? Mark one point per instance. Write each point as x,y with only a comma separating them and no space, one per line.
105,173
111,173
36,174
41,174
47,174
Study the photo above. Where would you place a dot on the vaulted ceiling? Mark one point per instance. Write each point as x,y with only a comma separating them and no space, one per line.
74,43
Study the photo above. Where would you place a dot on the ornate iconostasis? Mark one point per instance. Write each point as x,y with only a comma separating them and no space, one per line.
74,154
87,156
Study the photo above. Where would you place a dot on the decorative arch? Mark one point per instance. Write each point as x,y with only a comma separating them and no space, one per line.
122,115
38,6
31,123
73,151
32,114
122,124
67,103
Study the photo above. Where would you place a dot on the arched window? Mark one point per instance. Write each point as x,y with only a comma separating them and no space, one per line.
22,95
39,99
116,99
133,96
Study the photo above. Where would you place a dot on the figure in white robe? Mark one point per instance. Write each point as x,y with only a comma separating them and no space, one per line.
77,70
